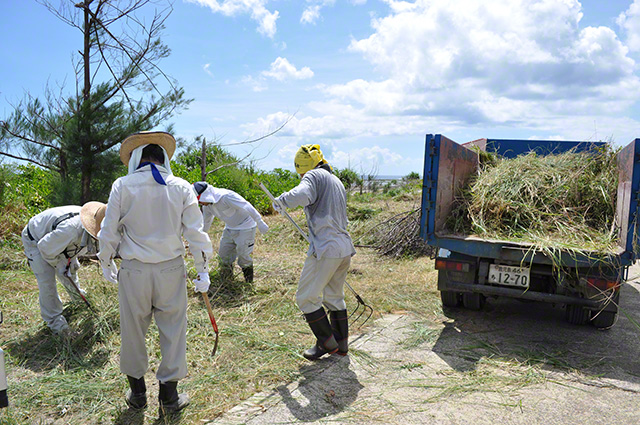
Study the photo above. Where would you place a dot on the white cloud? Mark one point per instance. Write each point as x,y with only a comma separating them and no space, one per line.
281,69
310,14
475,56
206,67
468,66
629,21
255,84
256,8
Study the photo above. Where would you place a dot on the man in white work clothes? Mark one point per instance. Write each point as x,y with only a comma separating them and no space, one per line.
240,221
52,241
148,212
325,269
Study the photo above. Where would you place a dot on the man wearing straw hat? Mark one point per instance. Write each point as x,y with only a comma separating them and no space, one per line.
330,250
148,212
240,221
52,241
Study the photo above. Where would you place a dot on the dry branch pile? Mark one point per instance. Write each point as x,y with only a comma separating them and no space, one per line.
561,201
400,236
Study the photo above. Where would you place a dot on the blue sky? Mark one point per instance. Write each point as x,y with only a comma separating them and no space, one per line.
368,79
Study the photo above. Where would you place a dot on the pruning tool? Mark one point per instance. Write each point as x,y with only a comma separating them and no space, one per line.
67,274
213,321
361,302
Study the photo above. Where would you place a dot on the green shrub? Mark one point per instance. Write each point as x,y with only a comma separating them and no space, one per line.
25,190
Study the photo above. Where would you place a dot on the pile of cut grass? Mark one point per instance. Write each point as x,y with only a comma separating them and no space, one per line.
559,201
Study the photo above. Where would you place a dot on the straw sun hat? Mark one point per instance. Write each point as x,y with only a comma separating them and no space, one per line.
161,138
91,215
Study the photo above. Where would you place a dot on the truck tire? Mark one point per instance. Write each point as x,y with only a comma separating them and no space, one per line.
576,315
604,319
450,298
473,300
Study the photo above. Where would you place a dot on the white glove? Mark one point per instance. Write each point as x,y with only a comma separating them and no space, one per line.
62,267
110,272
262,227
74,265
277,206
202,282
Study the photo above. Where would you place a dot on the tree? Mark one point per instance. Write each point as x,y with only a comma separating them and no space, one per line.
119,90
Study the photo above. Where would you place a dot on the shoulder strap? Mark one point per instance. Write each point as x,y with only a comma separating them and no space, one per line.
63,218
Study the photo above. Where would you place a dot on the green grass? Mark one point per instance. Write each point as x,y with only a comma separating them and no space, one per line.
262,332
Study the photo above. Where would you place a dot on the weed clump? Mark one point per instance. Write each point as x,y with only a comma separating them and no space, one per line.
557,201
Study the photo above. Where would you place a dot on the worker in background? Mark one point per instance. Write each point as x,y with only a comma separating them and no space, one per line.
330,250
148,212
52,241
240,221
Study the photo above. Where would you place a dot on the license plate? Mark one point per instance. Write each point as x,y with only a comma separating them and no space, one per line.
509,275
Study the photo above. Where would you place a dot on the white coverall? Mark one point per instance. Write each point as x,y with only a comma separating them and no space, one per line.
50,240
148,220
330,247
240,220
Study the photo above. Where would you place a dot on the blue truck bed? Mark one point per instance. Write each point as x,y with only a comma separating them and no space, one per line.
448,165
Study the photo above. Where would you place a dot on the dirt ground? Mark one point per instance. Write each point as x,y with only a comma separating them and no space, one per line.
512,363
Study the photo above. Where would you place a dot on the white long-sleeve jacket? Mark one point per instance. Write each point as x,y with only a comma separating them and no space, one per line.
236,212
57,232
325,205
148,220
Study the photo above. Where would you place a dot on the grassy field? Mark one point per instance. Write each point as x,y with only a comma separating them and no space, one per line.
262,332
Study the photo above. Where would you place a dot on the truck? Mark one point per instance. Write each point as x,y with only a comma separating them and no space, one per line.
472,268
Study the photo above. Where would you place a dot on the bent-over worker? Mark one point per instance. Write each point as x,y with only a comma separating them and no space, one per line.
148,212
240,220
52,241
322,279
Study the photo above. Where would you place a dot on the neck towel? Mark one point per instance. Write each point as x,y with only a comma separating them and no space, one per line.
134,164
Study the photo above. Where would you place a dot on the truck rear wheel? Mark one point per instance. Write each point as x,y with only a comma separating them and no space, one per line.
450,298
473,300
576,315
604,319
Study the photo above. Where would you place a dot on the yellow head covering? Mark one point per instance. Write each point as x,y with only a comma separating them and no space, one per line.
307,158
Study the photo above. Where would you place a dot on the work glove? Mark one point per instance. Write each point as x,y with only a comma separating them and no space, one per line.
62,267
202,282
277,206
262,227
110,272
74,265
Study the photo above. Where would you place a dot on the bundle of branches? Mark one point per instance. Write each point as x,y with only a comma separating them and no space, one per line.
399,236
560,201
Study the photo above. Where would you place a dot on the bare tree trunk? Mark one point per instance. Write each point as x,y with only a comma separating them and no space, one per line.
85,182
86,54
85,125
203,160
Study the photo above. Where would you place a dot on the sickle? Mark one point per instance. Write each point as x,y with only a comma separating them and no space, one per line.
213,321
76,286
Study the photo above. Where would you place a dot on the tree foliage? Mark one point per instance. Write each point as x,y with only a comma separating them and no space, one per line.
117,92
242,179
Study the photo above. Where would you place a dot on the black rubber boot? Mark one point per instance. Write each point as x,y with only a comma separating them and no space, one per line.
321,328
248,274
137,394
340,326
170,400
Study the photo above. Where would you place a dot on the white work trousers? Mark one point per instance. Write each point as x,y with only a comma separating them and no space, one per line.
50,303
322,282
237,244
158,290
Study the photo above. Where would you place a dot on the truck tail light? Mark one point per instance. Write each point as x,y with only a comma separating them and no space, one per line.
443,264
603,284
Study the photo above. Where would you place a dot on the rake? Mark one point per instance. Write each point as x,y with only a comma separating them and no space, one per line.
365,307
